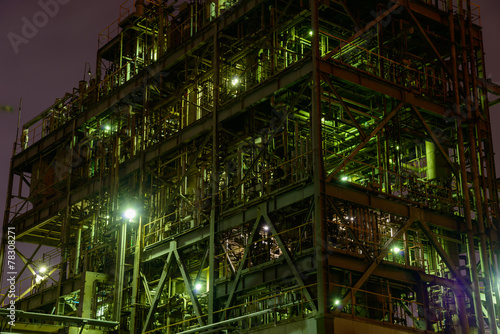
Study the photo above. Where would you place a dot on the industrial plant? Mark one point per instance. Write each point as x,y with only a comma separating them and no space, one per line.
262,166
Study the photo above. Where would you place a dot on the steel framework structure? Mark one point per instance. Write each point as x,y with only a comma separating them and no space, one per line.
297,165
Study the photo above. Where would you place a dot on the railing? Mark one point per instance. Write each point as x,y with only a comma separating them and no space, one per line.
405,251
283,306
388,309
263,183
265,249
420,79
406,187
443,5
113,29
26,287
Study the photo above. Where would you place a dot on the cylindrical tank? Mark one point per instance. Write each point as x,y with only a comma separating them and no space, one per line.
437,168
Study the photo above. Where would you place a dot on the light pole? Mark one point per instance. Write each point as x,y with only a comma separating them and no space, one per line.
129,214
85,70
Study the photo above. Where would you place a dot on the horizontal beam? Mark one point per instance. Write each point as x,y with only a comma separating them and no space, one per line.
393,205
338,259
248,215
371,82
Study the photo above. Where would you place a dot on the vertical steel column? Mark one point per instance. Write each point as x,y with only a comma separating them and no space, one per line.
318,173
122,232
135,298
214,181
120,270
66,225
471,252
489,162
483,251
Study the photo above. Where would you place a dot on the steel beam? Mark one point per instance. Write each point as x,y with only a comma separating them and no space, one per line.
242,265
28,261
350,231
436,142
363,143
159,290
146,288
288,259
344,105
427,39
362,31
189,289
384,87
451,266
371,268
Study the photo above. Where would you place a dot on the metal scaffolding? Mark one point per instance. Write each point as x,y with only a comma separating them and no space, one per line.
262,165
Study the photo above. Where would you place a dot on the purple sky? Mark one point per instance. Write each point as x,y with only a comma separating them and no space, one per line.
52,62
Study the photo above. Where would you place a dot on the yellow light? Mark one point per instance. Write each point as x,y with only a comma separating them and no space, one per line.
344,178
197,287
235,81
337,302
396,250
42,269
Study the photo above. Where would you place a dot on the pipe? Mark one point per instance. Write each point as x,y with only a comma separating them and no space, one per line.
59,318
202,328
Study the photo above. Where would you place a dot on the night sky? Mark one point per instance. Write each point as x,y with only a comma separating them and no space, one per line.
51,61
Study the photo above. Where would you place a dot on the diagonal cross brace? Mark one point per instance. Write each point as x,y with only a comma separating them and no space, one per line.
161,285
449,263
346,108
361,31
426,37
358,148
384,252
241,266
202,265
226,251
189,289
289,260
447,260
436,141
146,288
30,259
350,231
